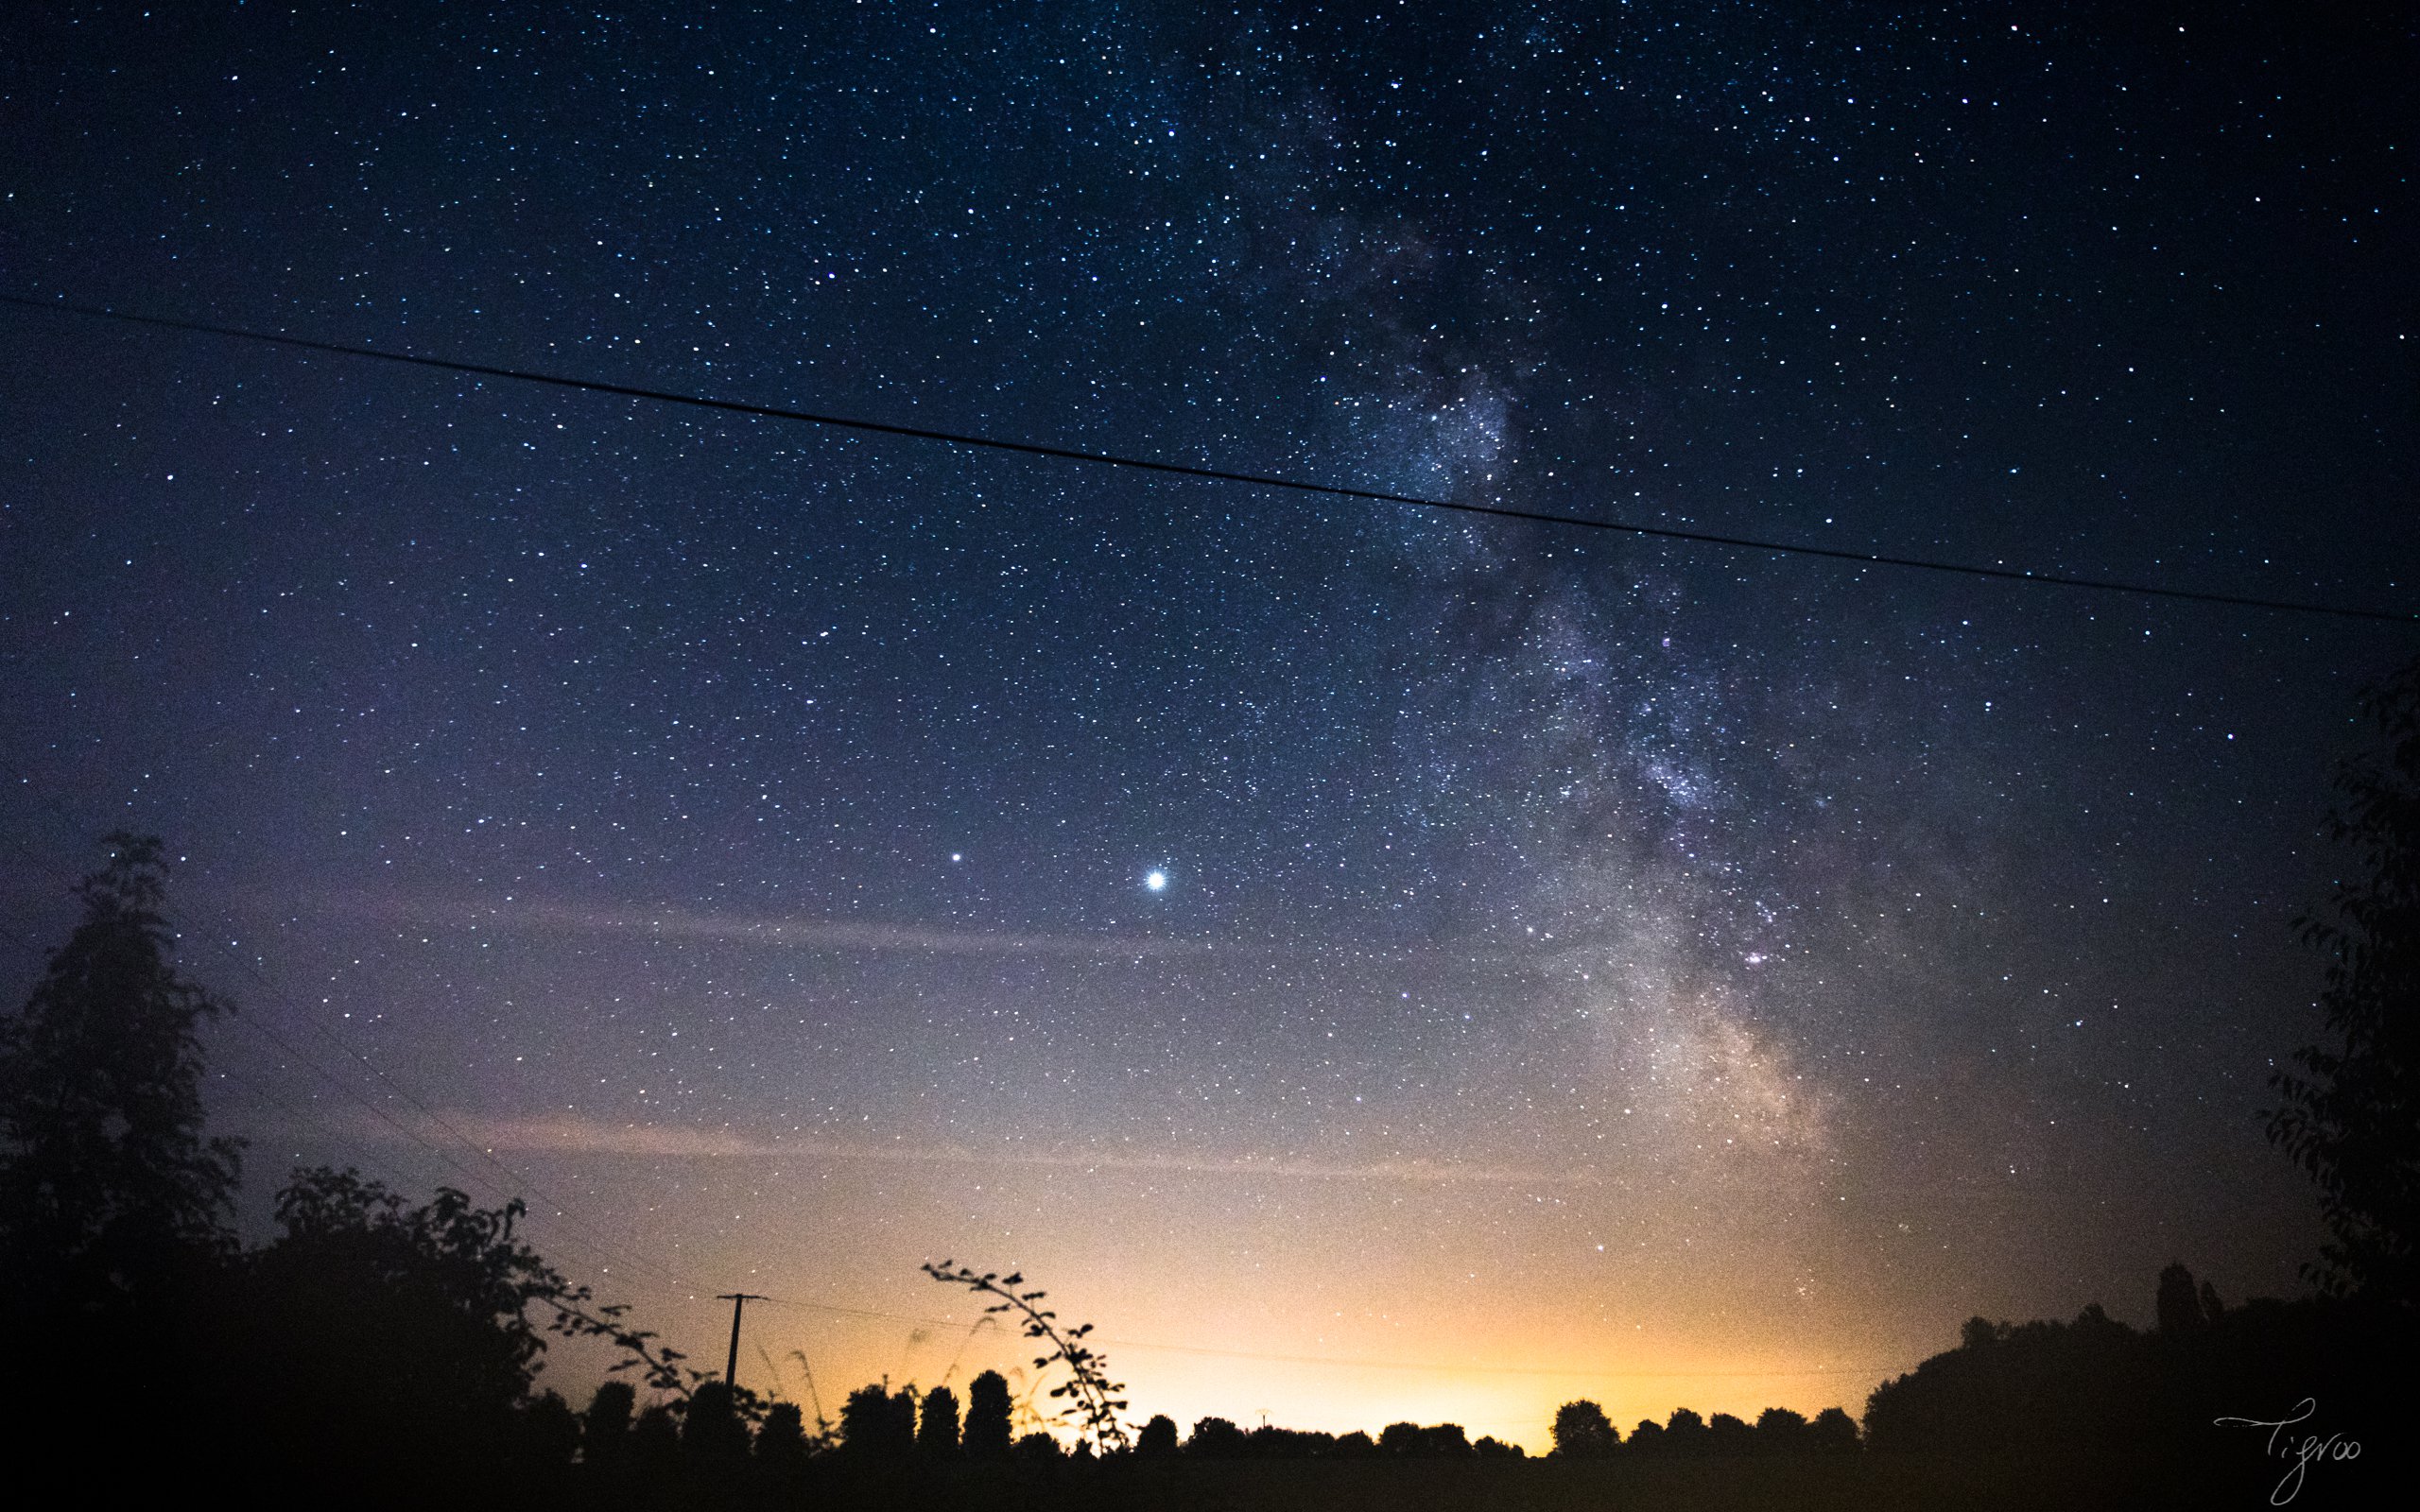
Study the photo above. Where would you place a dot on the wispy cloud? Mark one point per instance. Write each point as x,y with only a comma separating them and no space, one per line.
774,931
576,1134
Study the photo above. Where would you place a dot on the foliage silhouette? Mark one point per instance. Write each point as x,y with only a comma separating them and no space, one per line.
1093,1400
2352,1118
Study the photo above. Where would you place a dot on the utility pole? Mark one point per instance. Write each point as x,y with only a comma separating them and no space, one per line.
737,1300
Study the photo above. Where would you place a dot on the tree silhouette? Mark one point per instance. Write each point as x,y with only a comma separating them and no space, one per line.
1833,1432
712,1434
1728,1434
1648,1438
1780,1431
873,1425
987,1416
1158,1438
1582,1430
1216,1438
1444,1441
2178,1307
1685,1433
655,1440
108,1187
371,1329
936,1433
2352,1118
550,1432
605,1428
780,1444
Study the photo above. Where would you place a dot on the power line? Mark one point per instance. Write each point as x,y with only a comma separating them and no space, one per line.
1259,480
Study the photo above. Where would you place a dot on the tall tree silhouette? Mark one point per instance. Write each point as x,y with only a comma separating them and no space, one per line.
987,1416
936,1433
106,1184
2352,1118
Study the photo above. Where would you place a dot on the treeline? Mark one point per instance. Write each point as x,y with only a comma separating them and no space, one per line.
1582,1430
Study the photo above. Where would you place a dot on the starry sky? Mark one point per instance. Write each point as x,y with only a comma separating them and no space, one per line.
1577,964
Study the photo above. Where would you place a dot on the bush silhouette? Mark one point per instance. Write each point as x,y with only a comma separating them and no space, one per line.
1039,1449
381,1332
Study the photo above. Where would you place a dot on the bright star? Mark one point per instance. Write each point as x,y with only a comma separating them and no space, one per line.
1157,880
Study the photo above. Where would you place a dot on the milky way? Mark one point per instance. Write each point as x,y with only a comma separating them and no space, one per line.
1578,964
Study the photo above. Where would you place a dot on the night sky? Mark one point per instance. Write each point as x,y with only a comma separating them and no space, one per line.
1525,962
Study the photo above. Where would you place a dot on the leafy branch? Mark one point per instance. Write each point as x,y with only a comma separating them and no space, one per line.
1092,1398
